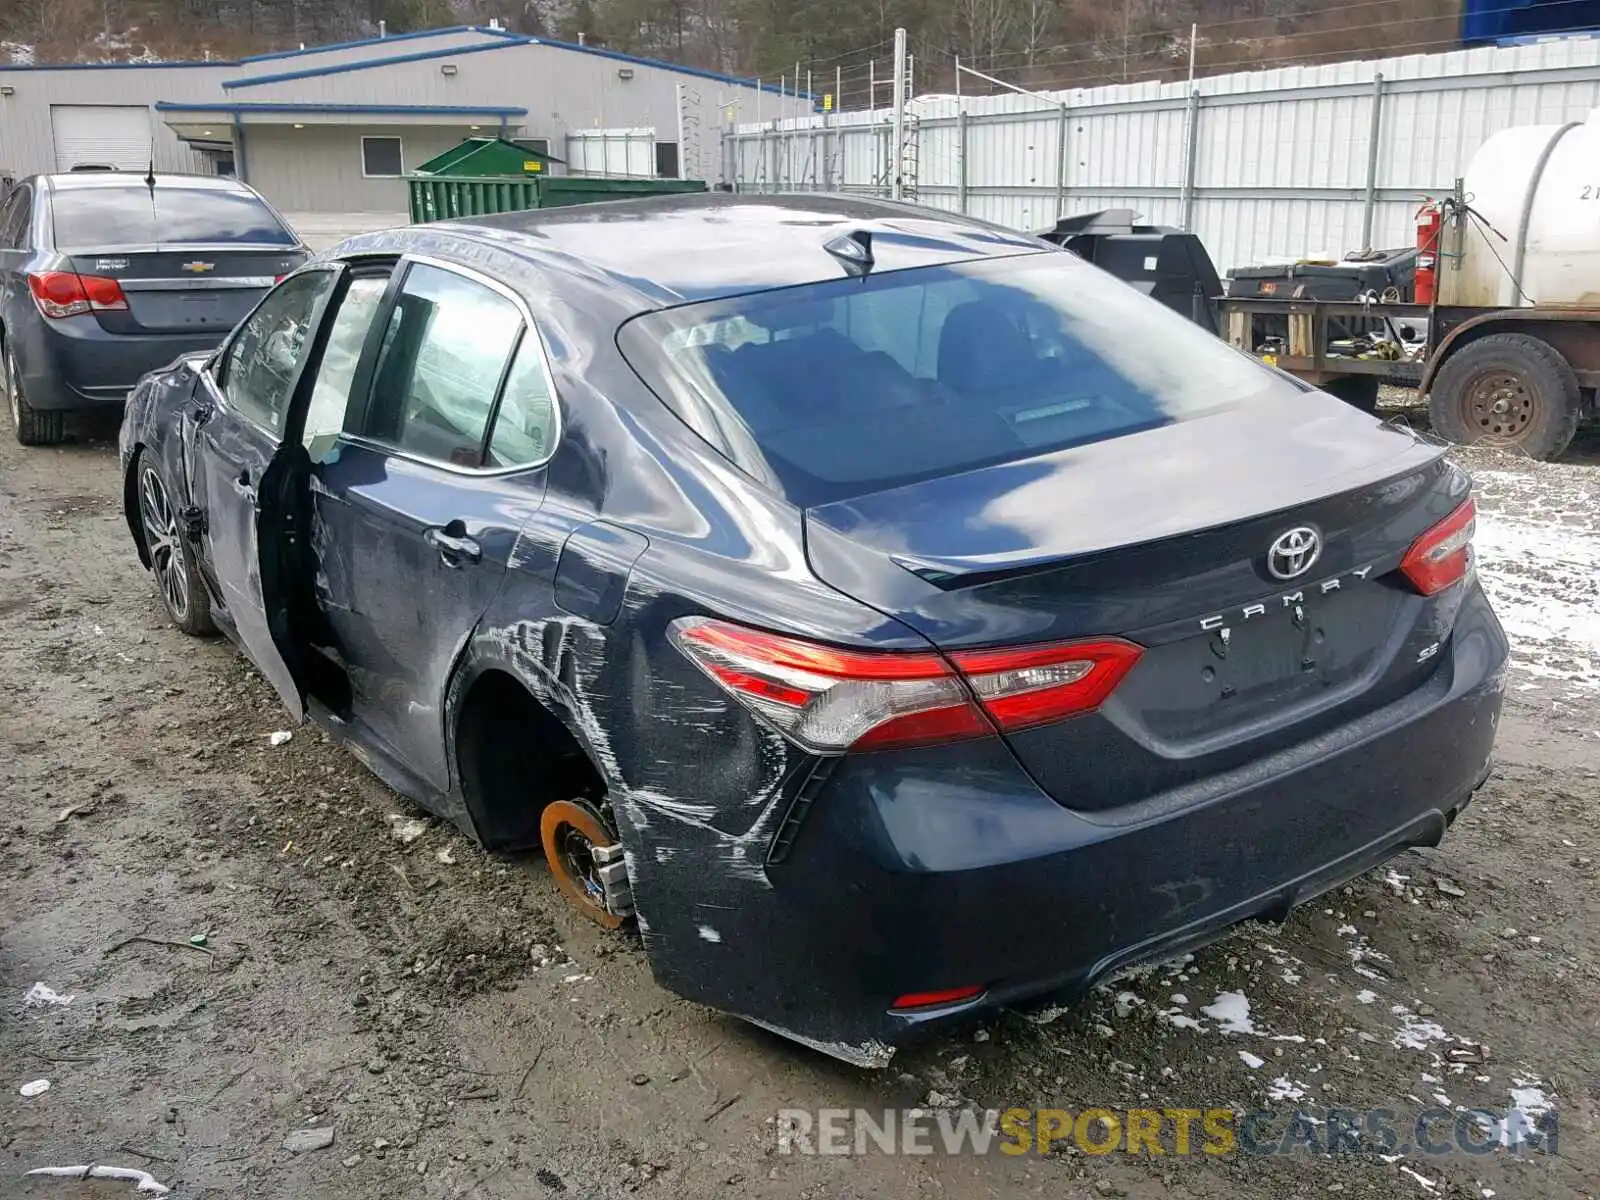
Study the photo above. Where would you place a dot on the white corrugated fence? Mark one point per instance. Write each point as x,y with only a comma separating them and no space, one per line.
1262,164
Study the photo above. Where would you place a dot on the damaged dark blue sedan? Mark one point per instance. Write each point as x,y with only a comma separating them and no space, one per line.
895,615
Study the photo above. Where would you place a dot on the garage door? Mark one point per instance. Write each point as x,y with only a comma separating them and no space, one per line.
101,135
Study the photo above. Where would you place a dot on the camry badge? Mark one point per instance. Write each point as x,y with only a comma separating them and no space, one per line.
1294,552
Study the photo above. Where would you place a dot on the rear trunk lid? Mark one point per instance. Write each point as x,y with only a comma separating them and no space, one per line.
1162,538
181,289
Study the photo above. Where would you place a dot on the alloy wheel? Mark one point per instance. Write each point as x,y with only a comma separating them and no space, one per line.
8,378
162,536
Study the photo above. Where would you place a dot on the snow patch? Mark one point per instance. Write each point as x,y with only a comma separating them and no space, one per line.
1415,1033
1231,1012
1539,561
1427,1184
708,934
1529,1097
1254,1061
1284,1088
41,996
1179,1019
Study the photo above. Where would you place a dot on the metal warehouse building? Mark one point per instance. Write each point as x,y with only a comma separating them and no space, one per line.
334,128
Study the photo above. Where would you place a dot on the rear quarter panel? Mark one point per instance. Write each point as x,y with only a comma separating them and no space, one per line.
697,785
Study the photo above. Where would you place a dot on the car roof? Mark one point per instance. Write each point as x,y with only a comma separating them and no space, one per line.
700,246
71,181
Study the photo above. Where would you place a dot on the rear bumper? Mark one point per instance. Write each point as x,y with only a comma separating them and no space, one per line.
916,872
73,363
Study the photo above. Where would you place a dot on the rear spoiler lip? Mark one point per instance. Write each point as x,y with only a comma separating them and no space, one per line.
957,572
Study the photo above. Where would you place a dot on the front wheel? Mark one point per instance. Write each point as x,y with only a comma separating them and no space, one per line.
1510,389
172,557
32,426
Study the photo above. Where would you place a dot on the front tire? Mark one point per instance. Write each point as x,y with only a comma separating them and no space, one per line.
172,558
33,427
1510,389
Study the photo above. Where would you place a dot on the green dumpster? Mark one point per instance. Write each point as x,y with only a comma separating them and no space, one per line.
486,175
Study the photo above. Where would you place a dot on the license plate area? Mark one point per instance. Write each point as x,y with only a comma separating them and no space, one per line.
1253,667
190,309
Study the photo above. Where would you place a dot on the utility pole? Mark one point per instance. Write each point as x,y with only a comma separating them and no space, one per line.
1127,30
896,166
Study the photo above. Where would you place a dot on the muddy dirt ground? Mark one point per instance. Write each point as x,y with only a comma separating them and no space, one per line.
462,1034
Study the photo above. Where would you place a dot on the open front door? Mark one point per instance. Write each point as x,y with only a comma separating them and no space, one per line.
242,452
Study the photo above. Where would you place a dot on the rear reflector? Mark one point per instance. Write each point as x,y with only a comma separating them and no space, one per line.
1441,556
829,700
60,294
937,999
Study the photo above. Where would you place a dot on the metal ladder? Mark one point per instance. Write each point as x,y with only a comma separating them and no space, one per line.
910,150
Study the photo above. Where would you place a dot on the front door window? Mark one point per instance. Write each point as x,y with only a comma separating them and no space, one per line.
262,361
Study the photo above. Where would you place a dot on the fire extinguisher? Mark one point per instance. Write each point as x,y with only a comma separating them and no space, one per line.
1430,220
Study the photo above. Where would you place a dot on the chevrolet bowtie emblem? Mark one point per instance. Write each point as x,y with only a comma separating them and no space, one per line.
198,267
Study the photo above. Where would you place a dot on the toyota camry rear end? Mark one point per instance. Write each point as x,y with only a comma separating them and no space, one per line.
1097,637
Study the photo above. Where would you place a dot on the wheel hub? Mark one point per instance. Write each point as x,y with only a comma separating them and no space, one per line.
1499,406
587,861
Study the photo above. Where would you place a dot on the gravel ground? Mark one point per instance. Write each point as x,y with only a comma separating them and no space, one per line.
458,1032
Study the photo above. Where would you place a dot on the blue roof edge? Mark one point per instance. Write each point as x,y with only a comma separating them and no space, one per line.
394,109
700,72
514,39
373,41
368,63
506,36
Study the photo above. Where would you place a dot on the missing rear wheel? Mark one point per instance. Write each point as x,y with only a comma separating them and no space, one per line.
586,861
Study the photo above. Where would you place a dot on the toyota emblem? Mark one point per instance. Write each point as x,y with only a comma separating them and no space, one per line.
1294,552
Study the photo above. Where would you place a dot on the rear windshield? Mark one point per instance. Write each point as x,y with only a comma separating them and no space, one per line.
834,390
95,217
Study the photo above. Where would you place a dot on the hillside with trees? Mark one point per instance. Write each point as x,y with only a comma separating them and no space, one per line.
1035,43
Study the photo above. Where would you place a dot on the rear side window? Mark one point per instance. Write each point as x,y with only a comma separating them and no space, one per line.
98,217
525,423
445,351
837,389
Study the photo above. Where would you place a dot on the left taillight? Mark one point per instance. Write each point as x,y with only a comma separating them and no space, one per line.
1442,556
60,294
830,699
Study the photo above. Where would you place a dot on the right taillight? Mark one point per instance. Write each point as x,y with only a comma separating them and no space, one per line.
60,294
1442,555
829,699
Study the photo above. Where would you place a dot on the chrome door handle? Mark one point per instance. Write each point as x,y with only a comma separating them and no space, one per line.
454,549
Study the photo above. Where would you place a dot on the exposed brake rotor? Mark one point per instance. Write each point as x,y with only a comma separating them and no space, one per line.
586,860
